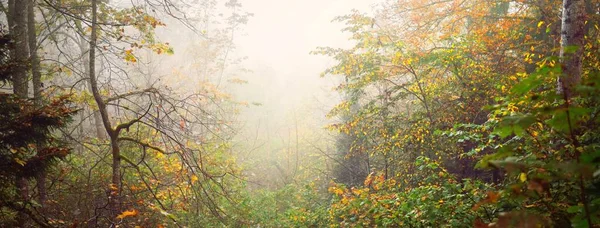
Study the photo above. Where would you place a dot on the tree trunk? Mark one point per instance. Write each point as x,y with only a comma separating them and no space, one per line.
23,193
115,201
20,51
100,131
34,58
37,91
19,54
571,56
571,47
10,20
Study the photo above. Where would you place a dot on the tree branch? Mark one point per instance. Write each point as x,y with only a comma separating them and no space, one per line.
132,93
122,126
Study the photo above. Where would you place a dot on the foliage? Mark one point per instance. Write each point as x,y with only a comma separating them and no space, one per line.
437,199
450,118
291,205
548,146
470,86
28,144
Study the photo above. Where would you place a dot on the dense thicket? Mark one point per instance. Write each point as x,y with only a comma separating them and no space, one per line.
461,118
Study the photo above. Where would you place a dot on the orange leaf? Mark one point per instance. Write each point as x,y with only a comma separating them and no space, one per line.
480,224
182,124
493,197
128,213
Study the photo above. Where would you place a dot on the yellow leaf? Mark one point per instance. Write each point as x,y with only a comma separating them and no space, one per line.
523,177
128,213
540,24
129,57
113,187
20,161
338,191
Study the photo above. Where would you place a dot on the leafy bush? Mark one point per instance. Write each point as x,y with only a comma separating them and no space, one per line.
438,200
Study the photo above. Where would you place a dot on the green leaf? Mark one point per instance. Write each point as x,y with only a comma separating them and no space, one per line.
560,121
525,121
527,84
579,222
570,49
503,131
518,130
510,164
484,163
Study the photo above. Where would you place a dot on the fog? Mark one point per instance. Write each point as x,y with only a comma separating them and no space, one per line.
274,47
285,77
277,42
312,113
283,98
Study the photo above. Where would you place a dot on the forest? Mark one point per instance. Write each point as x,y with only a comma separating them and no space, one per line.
263,113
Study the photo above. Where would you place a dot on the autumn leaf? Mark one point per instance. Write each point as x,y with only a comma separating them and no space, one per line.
479,224
492,197
113,187
523,177
127,213
20,161
129,57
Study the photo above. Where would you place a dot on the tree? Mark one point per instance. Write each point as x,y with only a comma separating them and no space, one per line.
17,17
27,144
17,20
465,84
572,45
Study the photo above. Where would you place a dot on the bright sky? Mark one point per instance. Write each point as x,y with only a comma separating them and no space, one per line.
278,40
281,33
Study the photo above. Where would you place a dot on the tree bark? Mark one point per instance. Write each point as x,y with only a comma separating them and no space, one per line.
10,20
571,57
98,125
572,45
20,51
19,54
23,193
115,201
34,58
37,91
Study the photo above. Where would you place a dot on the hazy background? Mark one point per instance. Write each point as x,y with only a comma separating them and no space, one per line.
279,37
286,98
285,76
285,80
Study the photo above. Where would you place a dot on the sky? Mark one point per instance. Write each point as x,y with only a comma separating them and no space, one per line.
281,33
285,77
278,40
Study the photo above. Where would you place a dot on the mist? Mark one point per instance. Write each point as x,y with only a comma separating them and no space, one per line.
266,113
